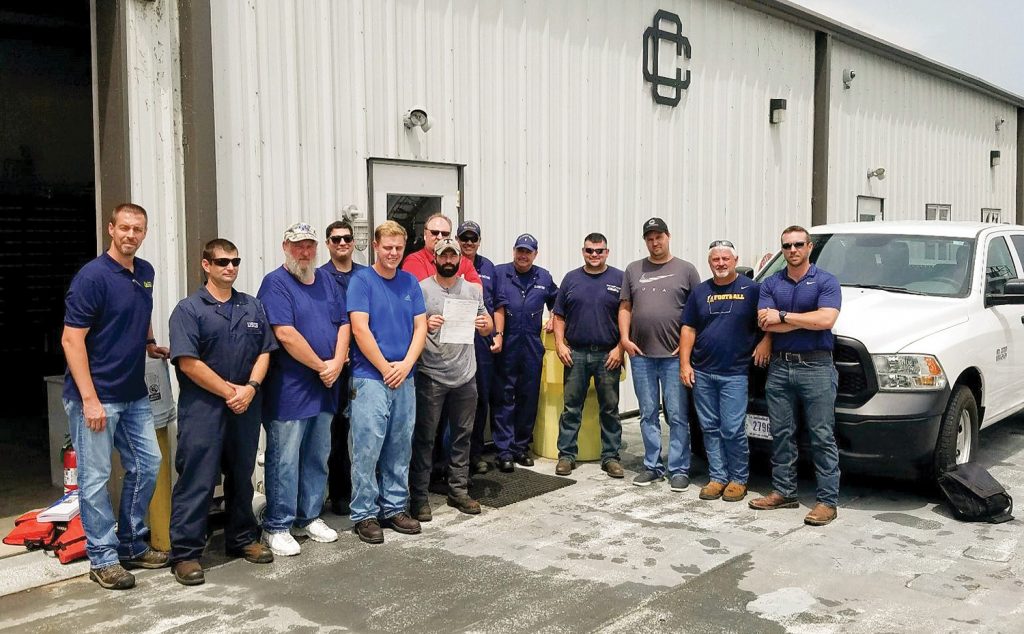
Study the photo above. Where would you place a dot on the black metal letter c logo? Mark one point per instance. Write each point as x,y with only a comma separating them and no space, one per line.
652,37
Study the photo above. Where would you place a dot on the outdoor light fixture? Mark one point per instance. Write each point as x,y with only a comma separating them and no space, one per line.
360,226
993,158
999,123
777,110
416,118
848,76
877,173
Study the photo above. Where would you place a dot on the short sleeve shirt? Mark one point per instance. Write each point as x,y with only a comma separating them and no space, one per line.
421,265
450,364
341,277
725,318
658,293
316,311
116,305
589,303
816,289
392,304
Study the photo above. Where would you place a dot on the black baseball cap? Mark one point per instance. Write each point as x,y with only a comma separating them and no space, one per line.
655,224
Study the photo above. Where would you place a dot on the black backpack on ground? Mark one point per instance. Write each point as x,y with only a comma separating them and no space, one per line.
975,496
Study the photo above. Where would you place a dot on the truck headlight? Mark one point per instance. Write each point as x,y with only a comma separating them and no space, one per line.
904,372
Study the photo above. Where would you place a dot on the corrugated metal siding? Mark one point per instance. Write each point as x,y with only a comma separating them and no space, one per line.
932,136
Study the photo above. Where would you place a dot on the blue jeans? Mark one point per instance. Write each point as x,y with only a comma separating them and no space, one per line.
380,441
721,403
296,470
129,429
587,364
812,388
656,381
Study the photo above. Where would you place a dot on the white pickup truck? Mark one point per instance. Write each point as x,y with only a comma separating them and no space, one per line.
929,341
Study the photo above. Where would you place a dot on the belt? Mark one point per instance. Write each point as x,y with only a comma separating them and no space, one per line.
591,348
803,357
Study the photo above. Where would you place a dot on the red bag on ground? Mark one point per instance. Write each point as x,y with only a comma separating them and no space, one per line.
70,545
30,533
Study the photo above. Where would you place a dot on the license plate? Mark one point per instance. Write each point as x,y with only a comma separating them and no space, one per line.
758,427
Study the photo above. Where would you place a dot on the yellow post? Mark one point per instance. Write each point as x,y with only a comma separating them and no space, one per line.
160,506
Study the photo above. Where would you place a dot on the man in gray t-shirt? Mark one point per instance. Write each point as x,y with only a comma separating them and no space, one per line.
445,380
653,295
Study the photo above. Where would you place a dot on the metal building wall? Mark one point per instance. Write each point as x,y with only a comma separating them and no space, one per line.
543,102
933,138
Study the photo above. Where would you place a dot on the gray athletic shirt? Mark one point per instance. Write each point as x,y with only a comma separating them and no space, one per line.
449,364
658,294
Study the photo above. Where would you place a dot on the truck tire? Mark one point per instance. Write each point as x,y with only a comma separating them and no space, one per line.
958,431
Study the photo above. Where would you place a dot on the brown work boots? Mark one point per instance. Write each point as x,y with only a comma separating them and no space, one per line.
820,515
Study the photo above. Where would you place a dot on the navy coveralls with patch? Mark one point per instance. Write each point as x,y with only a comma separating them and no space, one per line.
212,439
484,360
519,364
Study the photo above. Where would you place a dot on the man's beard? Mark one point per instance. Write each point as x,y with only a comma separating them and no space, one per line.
302,272
447,270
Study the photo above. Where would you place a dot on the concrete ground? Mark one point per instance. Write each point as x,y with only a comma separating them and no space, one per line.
605,556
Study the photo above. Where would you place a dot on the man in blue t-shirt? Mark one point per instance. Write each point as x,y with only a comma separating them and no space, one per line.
718,338
340,244
308,317
587,341
799,305
389,326
107,334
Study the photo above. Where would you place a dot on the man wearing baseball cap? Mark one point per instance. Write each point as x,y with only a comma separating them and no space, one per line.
421,263
654,293
522,289
307,314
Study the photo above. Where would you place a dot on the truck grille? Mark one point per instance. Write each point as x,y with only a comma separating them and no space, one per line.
857,382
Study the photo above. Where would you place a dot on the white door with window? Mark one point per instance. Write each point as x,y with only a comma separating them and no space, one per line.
1004,332
409,193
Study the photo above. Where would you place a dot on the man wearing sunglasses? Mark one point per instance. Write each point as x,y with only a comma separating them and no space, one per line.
718,339
309,319
221,344
340,244
799,305
421,264
587,341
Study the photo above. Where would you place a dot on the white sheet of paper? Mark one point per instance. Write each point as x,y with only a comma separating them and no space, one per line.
459,317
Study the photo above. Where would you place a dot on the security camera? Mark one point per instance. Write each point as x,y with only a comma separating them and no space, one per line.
999,123
417,117
848,76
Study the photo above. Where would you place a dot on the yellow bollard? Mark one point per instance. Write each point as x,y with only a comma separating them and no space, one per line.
159,518
550,405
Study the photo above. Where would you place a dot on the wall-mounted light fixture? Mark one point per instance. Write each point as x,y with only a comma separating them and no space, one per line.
776,110
416,118
993,158
878,173
848,76
999,123
360,226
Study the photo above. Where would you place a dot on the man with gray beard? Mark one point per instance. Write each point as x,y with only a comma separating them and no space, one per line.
307,314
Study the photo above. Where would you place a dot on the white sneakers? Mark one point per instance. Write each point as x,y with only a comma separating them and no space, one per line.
281,544
318,531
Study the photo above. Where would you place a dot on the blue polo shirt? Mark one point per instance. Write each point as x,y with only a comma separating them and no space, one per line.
115,304
485,269
523,296
816,289
391,304
316,311
725,318
589,303
341,277
228,337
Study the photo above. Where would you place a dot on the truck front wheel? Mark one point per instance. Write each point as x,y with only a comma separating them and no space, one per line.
958,432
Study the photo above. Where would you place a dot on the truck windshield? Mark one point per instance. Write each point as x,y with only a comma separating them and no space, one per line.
919,265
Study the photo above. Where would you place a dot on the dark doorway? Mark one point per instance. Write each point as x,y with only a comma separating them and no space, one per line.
411,212
47,221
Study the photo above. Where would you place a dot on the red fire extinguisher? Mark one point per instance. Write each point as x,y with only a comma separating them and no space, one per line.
70,467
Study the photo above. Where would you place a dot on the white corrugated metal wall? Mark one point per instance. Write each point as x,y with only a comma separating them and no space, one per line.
932,136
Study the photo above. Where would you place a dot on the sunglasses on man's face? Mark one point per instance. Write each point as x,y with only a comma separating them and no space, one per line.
438,233
469,237
223,262
786,246
347,239
594,250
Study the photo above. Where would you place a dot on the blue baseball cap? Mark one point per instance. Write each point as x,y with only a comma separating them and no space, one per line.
526,241
468,227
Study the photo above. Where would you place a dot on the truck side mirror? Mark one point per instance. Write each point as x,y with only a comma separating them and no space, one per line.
1013,293
745,270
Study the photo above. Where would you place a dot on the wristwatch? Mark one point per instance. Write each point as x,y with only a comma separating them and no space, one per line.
150,342
782,316
497,334
255,385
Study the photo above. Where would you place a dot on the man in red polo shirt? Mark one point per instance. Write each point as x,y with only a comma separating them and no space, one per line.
421,264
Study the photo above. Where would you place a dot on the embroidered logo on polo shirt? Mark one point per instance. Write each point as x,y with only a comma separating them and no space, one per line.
147,284
611,288
252,324
540,286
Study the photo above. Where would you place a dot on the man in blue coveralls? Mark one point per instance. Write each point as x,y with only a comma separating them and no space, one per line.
469,243
107,335
587,341
308,317
521,290
221,344
340,244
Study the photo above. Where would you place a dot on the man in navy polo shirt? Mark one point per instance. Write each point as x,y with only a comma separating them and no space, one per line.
107,334
522,290
587,341
718,338
340,244
799,305
469,243
221,344
308,317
